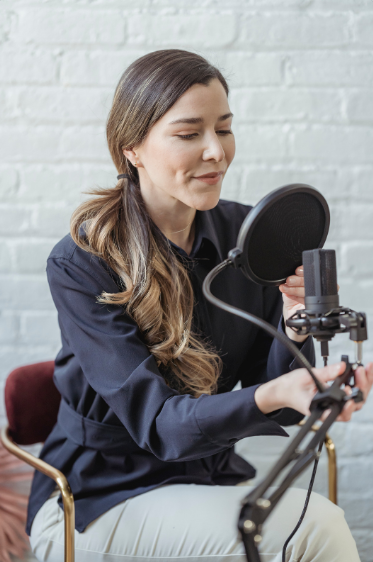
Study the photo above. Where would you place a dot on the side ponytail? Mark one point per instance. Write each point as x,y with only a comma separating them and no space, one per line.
156,289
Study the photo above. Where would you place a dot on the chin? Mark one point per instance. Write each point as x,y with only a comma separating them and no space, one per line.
206,201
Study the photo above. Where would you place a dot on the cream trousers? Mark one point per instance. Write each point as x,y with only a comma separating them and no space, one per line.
197,524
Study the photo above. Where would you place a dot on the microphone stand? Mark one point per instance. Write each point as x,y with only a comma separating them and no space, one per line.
256,507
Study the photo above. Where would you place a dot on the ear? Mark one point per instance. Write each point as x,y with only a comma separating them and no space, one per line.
131,155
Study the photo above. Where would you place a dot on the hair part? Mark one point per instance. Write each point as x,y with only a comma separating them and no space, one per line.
156,289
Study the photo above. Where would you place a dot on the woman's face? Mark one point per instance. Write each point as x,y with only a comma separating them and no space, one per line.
187,152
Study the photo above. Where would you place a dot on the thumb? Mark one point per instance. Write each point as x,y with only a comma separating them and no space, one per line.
330,372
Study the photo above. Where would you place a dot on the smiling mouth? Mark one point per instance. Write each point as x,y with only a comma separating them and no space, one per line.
210,175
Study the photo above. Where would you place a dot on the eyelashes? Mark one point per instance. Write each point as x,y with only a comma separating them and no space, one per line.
194,135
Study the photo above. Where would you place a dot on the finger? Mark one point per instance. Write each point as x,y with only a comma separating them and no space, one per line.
330,372
293,291
300,271
293,301
348,410
294,281
361,380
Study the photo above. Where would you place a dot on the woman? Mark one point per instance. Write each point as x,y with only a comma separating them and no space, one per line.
147,424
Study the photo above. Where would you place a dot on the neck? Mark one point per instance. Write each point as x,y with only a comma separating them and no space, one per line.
173,218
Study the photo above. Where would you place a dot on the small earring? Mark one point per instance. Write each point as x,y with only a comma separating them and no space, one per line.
135,164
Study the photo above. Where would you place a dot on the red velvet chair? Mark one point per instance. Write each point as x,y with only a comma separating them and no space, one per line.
32,402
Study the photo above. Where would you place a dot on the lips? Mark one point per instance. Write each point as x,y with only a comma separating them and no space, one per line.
210,175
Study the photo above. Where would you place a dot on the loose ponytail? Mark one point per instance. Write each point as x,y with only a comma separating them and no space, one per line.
155,287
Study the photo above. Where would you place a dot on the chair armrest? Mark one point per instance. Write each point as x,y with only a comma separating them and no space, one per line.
332,464
61,481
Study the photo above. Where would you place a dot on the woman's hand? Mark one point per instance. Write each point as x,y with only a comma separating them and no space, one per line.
293,297
296,389
293,294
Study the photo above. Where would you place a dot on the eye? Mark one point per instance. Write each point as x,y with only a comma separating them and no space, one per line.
227,132
188,137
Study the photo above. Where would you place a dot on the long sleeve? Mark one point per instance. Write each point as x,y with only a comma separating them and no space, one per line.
269,359
118,366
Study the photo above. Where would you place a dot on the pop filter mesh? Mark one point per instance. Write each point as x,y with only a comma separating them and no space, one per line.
289,226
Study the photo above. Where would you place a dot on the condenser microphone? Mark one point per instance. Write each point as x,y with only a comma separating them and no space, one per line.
320,281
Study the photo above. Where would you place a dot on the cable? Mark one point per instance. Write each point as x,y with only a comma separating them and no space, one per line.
305,503
289,345
302,360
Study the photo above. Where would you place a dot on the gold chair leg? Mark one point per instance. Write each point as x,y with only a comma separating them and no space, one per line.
332,464
62,483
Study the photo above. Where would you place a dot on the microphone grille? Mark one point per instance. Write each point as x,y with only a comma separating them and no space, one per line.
320,272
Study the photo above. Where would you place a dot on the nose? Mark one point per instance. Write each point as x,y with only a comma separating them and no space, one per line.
213,149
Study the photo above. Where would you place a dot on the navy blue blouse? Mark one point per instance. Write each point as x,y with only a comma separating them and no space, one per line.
121,429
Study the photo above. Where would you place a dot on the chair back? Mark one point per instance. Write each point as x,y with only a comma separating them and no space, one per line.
31,402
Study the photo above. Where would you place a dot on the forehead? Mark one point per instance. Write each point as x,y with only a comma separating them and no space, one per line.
208,102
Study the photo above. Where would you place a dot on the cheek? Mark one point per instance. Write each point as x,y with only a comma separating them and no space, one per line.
229,148
171,158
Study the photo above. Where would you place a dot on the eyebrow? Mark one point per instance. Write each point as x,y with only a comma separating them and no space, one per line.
194,120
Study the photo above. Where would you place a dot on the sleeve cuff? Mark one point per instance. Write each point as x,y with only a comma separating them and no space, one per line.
306,347
225,422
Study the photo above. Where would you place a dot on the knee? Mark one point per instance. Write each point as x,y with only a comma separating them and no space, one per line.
325,520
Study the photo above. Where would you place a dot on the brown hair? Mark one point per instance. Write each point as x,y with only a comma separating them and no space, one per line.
156,289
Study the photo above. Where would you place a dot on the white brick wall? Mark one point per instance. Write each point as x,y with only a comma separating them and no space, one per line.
301,74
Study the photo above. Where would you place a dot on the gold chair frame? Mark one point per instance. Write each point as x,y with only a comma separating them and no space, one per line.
68,498
332,464
60,480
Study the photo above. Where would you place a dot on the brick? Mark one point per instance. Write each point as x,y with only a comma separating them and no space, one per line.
8,184
255,143
40,329
358,486
363,186
22,144
359,438
85,143
6,21
65,104
232,185
251,69
14,220
13,295
257,182
349,68
15,356
53,221
364,539
351,222
54,144
356,294
6,261
31,255
27,65
359,105
286,105
96,67
358,258
363,29
42,25
9,327
209,30
61,184
333,144
341,4
293,29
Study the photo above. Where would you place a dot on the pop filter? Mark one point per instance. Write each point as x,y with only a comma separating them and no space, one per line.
286,222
